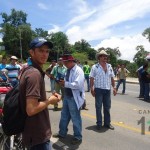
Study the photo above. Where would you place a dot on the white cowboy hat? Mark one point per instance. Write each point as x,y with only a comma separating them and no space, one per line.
102,52
14,57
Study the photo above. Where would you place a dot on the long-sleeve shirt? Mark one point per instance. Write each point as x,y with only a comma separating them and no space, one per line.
76,84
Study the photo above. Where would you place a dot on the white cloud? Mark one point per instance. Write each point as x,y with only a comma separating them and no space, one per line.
127,45
94,26
79,6
54,29
42,6
81,17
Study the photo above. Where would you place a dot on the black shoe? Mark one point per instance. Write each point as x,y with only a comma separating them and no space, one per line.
109,127
75,141
98,127
85,108
57,135
56,109
140,97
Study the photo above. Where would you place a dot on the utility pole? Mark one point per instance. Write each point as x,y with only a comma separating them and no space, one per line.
20,46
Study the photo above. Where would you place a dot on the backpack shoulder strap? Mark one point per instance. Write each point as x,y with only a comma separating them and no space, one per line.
23,70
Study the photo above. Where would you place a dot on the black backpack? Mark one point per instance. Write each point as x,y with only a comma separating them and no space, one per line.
13,118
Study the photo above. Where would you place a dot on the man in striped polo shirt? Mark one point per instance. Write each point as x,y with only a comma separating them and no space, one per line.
13,70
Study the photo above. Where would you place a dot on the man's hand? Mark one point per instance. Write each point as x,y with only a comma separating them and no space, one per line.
54,99
93,92
62,82
114,91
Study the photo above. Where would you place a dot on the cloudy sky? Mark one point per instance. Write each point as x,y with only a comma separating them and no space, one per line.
103,23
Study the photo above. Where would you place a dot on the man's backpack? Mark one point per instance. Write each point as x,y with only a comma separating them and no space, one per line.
13,118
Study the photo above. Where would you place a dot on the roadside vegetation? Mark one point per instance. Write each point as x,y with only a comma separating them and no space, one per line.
17,33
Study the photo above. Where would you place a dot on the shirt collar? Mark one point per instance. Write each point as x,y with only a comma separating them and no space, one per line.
35,65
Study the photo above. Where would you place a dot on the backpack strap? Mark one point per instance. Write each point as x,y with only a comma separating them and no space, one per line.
23,70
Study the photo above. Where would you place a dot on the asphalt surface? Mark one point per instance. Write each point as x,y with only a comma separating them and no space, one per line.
126,111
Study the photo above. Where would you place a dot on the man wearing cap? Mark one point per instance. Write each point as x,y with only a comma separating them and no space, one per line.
74,96
58,73
101,79
37,130
13,70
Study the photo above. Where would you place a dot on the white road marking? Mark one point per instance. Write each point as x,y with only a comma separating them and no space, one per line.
58,143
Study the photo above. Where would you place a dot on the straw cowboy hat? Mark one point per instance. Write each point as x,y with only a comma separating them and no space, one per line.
14,57
102,52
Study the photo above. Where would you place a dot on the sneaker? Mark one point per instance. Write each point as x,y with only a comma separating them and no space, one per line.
76,141
57,135
109,127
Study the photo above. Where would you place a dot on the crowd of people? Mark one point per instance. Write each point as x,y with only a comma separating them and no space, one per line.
67,78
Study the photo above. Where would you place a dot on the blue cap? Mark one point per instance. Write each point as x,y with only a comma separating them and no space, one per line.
39,41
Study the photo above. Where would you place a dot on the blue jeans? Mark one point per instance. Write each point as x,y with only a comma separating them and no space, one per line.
102,96
70,111
88,82
52,82
124,85
43,146
146,91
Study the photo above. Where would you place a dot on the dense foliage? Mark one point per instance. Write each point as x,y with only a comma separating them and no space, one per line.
17,34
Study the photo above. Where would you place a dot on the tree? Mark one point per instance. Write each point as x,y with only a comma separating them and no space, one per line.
39,32
139,57
84,47
91,52
16,18
16,33
146,33
61,43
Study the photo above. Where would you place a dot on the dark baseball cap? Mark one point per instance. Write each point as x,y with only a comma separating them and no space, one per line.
68,57
39,41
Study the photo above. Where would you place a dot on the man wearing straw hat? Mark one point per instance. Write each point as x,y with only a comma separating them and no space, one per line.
101,79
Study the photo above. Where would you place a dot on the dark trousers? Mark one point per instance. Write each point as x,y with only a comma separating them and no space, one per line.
124,85
102,97
88,82
146,91
142,87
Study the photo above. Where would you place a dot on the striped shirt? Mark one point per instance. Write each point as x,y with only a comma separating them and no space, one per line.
13,71
102,79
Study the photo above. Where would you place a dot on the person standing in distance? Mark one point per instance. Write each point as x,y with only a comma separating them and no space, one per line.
37,130
101,79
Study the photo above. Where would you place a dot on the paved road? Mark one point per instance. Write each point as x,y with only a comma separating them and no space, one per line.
126,111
